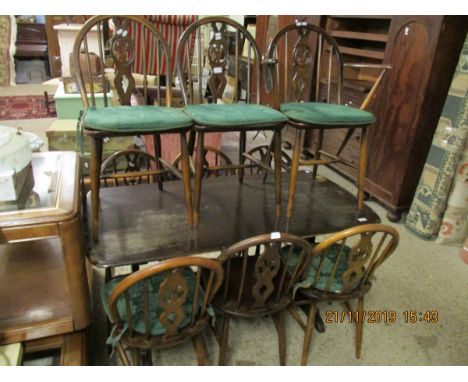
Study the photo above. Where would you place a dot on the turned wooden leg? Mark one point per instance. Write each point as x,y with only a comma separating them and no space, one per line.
122,355
242,145
94,174
359,326
270,149
199,345
198,178
136,357
294,173
186,176
308,333
277,147
224,341
362,168
317,149
278,319
157,155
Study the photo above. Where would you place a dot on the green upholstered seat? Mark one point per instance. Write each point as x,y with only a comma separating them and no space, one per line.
329,257
326,114
137,304
135,118
234,115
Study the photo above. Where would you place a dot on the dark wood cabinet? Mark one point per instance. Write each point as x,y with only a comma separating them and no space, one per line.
423,51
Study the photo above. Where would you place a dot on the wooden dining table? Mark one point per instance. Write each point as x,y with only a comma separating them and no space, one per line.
140,224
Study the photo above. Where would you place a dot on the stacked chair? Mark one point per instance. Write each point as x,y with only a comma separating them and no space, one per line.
125,119
217,57
303,74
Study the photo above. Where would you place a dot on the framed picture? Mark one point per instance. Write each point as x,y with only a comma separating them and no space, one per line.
230,91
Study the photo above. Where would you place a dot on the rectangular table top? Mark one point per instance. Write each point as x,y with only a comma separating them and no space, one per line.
140,223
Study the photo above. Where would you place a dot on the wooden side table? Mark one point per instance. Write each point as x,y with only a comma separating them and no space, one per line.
44,295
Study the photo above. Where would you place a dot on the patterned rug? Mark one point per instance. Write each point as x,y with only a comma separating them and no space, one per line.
26,107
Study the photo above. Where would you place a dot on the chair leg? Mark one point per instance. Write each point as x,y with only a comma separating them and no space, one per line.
362,168
224,341
198,178
317,149
186,176
277,147
147,357
242,145
94,174
359,326
278,319
294,173
157,155
308,333
136,357
199,345
268,161
122,355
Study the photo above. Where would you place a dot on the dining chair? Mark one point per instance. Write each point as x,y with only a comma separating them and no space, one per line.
257,284
161,306
309,58
104,49
221,92
342,269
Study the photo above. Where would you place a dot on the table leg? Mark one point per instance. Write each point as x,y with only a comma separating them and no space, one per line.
74,258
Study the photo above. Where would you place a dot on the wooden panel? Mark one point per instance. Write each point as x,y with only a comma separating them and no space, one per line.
360,35
423,54
34,294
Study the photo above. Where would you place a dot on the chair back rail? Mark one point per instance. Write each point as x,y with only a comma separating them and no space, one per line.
297,51
362,249
218,42
116,48
173,294
256,279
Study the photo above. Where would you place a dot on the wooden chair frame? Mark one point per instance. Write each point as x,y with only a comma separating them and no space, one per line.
170,287
303,60
365,257
218,47
263,285
123,51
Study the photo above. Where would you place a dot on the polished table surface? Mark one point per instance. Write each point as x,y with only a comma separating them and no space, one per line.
140,223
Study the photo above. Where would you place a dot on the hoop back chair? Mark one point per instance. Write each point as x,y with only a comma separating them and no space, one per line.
257,284
218,42
118,51
342,269
308,56
161,306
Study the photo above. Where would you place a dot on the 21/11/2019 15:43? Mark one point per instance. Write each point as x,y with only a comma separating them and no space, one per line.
381,316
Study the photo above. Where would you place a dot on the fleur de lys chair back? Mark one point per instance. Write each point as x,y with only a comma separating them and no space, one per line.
161,306
257,284
342,269
304,69
104,51
211,89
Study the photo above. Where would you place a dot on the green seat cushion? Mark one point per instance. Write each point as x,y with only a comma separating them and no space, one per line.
329,258
135,118
136,298
235,115
326,114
